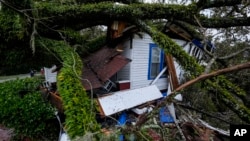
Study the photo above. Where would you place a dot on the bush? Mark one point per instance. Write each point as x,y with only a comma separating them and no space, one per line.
23,109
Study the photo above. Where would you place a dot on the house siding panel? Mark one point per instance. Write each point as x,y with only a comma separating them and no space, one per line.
124,74
137,70
140,64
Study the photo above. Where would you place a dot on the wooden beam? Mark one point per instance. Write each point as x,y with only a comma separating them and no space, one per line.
171,72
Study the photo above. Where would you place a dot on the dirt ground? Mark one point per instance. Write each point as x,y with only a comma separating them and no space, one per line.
5,134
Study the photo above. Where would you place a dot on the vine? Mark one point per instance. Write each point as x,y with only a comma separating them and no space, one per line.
80,117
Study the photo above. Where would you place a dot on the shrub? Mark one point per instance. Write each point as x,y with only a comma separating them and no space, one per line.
23,109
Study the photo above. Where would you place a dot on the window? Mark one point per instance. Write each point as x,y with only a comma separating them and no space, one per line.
156,61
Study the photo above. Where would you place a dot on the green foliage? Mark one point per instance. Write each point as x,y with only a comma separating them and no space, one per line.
21,3
13,32
198,97
223,82
228,99
102,10
91,46
18,59
23,108
95,44
86,41
79,109
15,48
74,37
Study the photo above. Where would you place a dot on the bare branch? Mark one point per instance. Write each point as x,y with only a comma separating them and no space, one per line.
22,12
10,6
32,38
233,54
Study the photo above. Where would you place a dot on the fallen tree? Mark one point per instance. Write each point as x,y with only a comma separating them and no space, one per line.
54,25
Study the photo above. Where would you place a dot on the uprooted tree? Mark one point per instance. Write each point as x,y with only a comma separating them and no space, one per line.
41,30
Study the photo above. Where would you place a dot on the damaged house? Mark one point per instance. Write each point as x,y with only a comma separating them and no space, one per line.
131,73
133,70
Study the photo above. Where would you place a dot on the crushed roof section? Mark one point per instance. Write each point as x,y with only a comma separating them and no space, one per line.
100,66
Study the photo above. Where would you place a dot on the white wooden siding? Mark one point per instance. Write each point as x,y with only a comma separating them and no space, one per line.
140,64
137,70
124,73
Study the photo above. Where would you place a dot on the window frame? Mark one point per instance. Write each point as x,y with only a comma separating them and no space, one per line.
162,62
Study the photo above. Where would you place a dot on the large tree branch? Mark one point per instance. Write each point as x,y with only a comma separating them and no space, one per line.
72,15
204,4
223,22
215,73
57,16
243,112
227,91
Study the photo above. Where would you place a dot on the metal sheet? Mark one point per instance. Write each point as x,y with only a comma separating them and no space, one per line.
100,66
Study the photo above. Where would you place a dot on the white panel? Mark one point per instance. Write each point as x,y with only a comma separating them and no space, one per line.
49,76
127,99
161,83
139,84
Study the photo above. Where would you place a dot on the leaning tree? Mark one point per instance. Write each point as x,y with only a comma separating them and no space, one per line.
61,29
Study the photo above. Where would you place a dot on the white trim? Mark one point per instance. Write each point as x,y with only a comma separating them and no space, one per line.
158,76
